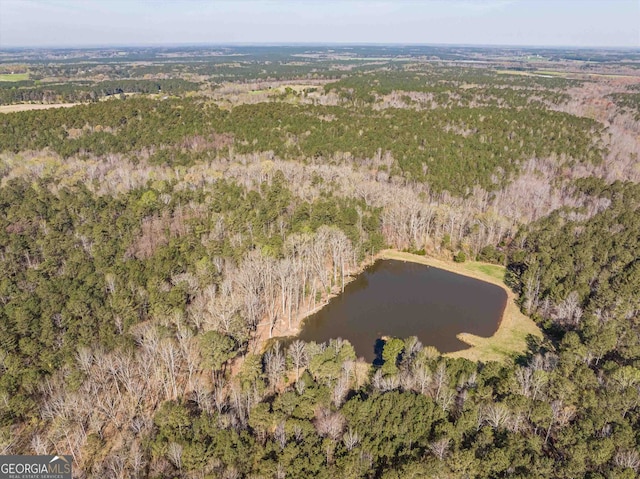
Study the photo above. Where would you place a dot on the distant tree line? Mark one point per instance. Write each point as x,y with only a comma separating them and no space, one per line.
75,92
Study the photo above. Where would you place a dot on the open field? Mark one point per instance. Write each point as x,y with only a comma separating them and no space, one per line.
231,94
34,106
511,337
530,73
14,76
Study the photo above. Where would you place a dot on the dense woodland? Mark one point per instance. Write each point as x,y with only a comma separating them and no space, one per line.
154,247
629,102
483,146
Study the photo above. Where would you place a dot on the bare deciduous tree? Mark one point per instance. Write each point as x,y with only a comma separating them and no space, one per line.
440,447
351,439
330,424
497,415
568,312
298,354
627,459
274,364
280,435
174,454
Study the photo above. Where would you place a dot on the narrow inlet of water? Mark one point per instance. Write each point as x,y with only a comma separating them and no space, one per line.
401,299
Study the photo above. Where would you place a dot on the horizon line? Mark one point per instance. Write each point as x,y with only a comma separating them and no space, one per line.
312,44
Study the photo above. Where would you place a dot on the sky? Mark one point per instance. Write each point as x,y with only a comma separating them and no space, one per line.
76,23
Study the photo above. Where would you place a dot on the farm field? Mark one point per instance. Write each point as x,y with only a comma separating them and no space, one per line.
14,77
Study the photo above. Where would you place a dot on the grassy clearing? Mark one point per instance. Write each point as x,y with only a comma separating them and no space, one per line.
280,89
14,76
493,270
513,72
536,73
554,73
511,337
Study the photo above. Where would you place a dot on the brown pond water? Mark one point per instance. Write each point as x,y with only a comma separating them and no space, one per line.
402,299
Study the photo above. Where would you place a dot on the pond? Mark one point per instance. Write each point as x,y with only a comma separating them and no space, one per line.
402,299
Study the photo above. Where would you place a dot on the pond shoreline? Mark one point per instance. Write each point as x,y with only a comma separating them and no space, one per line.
282,330
508,340
510,337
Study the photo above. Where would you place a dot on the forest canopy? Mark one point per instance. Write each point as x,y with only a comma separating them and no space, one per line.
158,239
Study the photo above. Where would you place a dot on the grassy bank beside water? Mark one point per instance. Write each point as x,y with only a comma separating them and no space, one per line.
511,337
